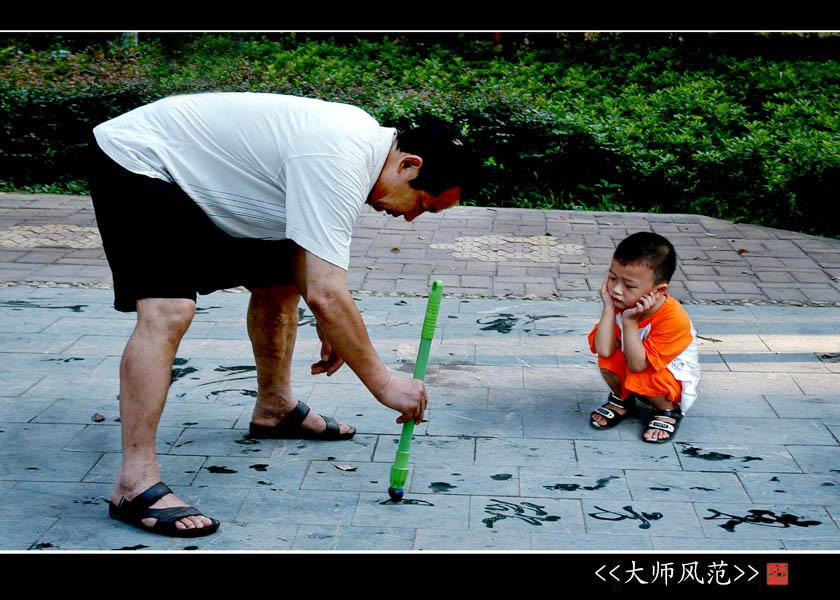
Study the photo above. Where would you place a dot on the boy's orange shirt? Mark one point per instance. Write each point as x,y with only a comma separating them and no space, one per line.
665,334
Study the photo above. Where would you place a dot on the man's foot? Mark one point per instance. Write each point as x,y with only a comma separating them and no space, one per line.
612,412
158,510
300,423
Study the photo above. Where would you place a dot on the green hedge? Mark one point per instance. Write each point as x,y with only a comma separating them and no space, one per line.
644,123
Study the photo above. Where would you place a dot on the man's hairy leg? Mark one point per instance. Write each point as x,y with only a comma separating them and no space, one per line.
272,326
145,375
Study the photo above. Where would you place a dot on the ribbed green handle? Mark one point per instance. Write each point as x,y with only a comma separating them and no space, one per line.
399,472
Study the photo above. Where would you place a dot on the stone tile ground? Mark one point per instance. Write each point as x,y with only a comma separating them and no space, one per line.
506,460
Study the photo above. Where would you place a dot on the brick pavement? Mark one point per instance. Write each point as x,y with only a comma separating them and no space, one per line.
479,252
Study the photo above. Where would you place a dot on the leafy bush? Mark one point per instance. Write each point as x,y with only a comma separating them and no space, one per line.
633,122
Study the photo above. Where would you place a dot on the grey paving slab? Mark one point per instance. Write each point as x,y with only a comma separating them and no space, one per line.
375,509
817,459
530,452
525,514
302,507
56,499
198,441
100,533
511,383
710,405
28,464
430,450
792,488
805,407
471,540
236,536
736,457
641,517
285,473
22,533
781,431
674,486
589,543
106,437
485,423
18,410
354,539
347,476
373,418
174,470
767,521
718,544
464,479
573,483
626,455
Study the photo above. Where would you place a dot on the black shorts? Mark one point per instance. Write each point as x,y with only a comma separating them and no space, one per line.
160,244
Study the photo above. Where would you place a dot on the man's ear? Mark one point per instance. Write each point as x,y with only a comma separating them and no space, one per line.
411,162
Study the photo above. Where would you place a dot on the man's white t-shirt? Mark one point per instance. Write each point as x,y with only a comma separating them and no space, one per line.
264,166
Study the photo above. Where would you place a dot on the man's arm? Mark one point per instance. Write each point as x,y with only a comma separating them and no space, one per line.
324,289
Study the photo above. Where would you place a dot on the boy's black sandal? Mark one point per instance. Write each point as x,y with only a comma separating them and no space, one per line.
134,511
670,428
613,418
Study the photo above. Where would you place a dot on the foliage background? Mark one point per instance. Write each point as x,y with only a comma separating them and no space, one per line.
736,126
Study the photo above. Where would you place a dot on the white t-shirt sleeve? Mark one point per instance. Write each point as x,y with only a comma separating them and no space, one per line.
324,195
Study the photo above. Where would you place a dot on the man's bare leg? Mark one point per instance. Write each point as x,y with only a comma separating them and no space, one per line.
272,327
145,375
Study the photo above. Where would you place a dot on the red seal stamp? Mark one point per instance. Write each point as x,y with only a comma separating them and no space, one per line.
777,573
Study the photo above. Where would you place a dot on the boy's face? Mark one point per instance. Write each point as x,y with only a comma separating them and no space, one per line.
628,283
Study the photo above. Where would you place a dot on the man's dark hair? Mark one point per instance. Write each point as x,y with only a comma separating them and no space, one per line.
447,162
649,249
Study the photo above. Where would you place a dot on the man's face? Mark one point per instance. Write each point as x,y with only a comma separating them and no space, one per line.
628,283
393,194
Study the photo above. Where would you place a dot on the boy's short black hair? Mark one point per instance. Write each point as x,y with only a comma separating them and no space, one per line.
447,163
650,249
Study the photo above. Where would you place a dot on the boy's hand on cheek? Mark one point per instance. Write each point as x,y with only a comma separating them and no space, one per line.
644,304
606,299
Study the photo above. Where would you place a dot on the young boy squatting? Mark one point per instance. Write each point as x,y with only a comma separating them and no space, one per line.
645,341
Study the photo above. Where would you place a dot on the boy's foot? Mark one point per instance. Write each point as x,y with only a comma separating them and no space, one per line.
612,412
662,427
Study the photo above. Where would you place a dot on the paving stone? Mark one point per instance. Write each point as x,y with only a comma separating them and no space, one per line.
792,488
804,407
416,510
781,431
299,507
22,533
527,452
55,499
285,473
573,483
712,545
468,539
625,455
347,476
594,543
356,539
766,521
174,470
640,517
525,514
464,479
430,450
763,458
486,423
672,486
817,459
